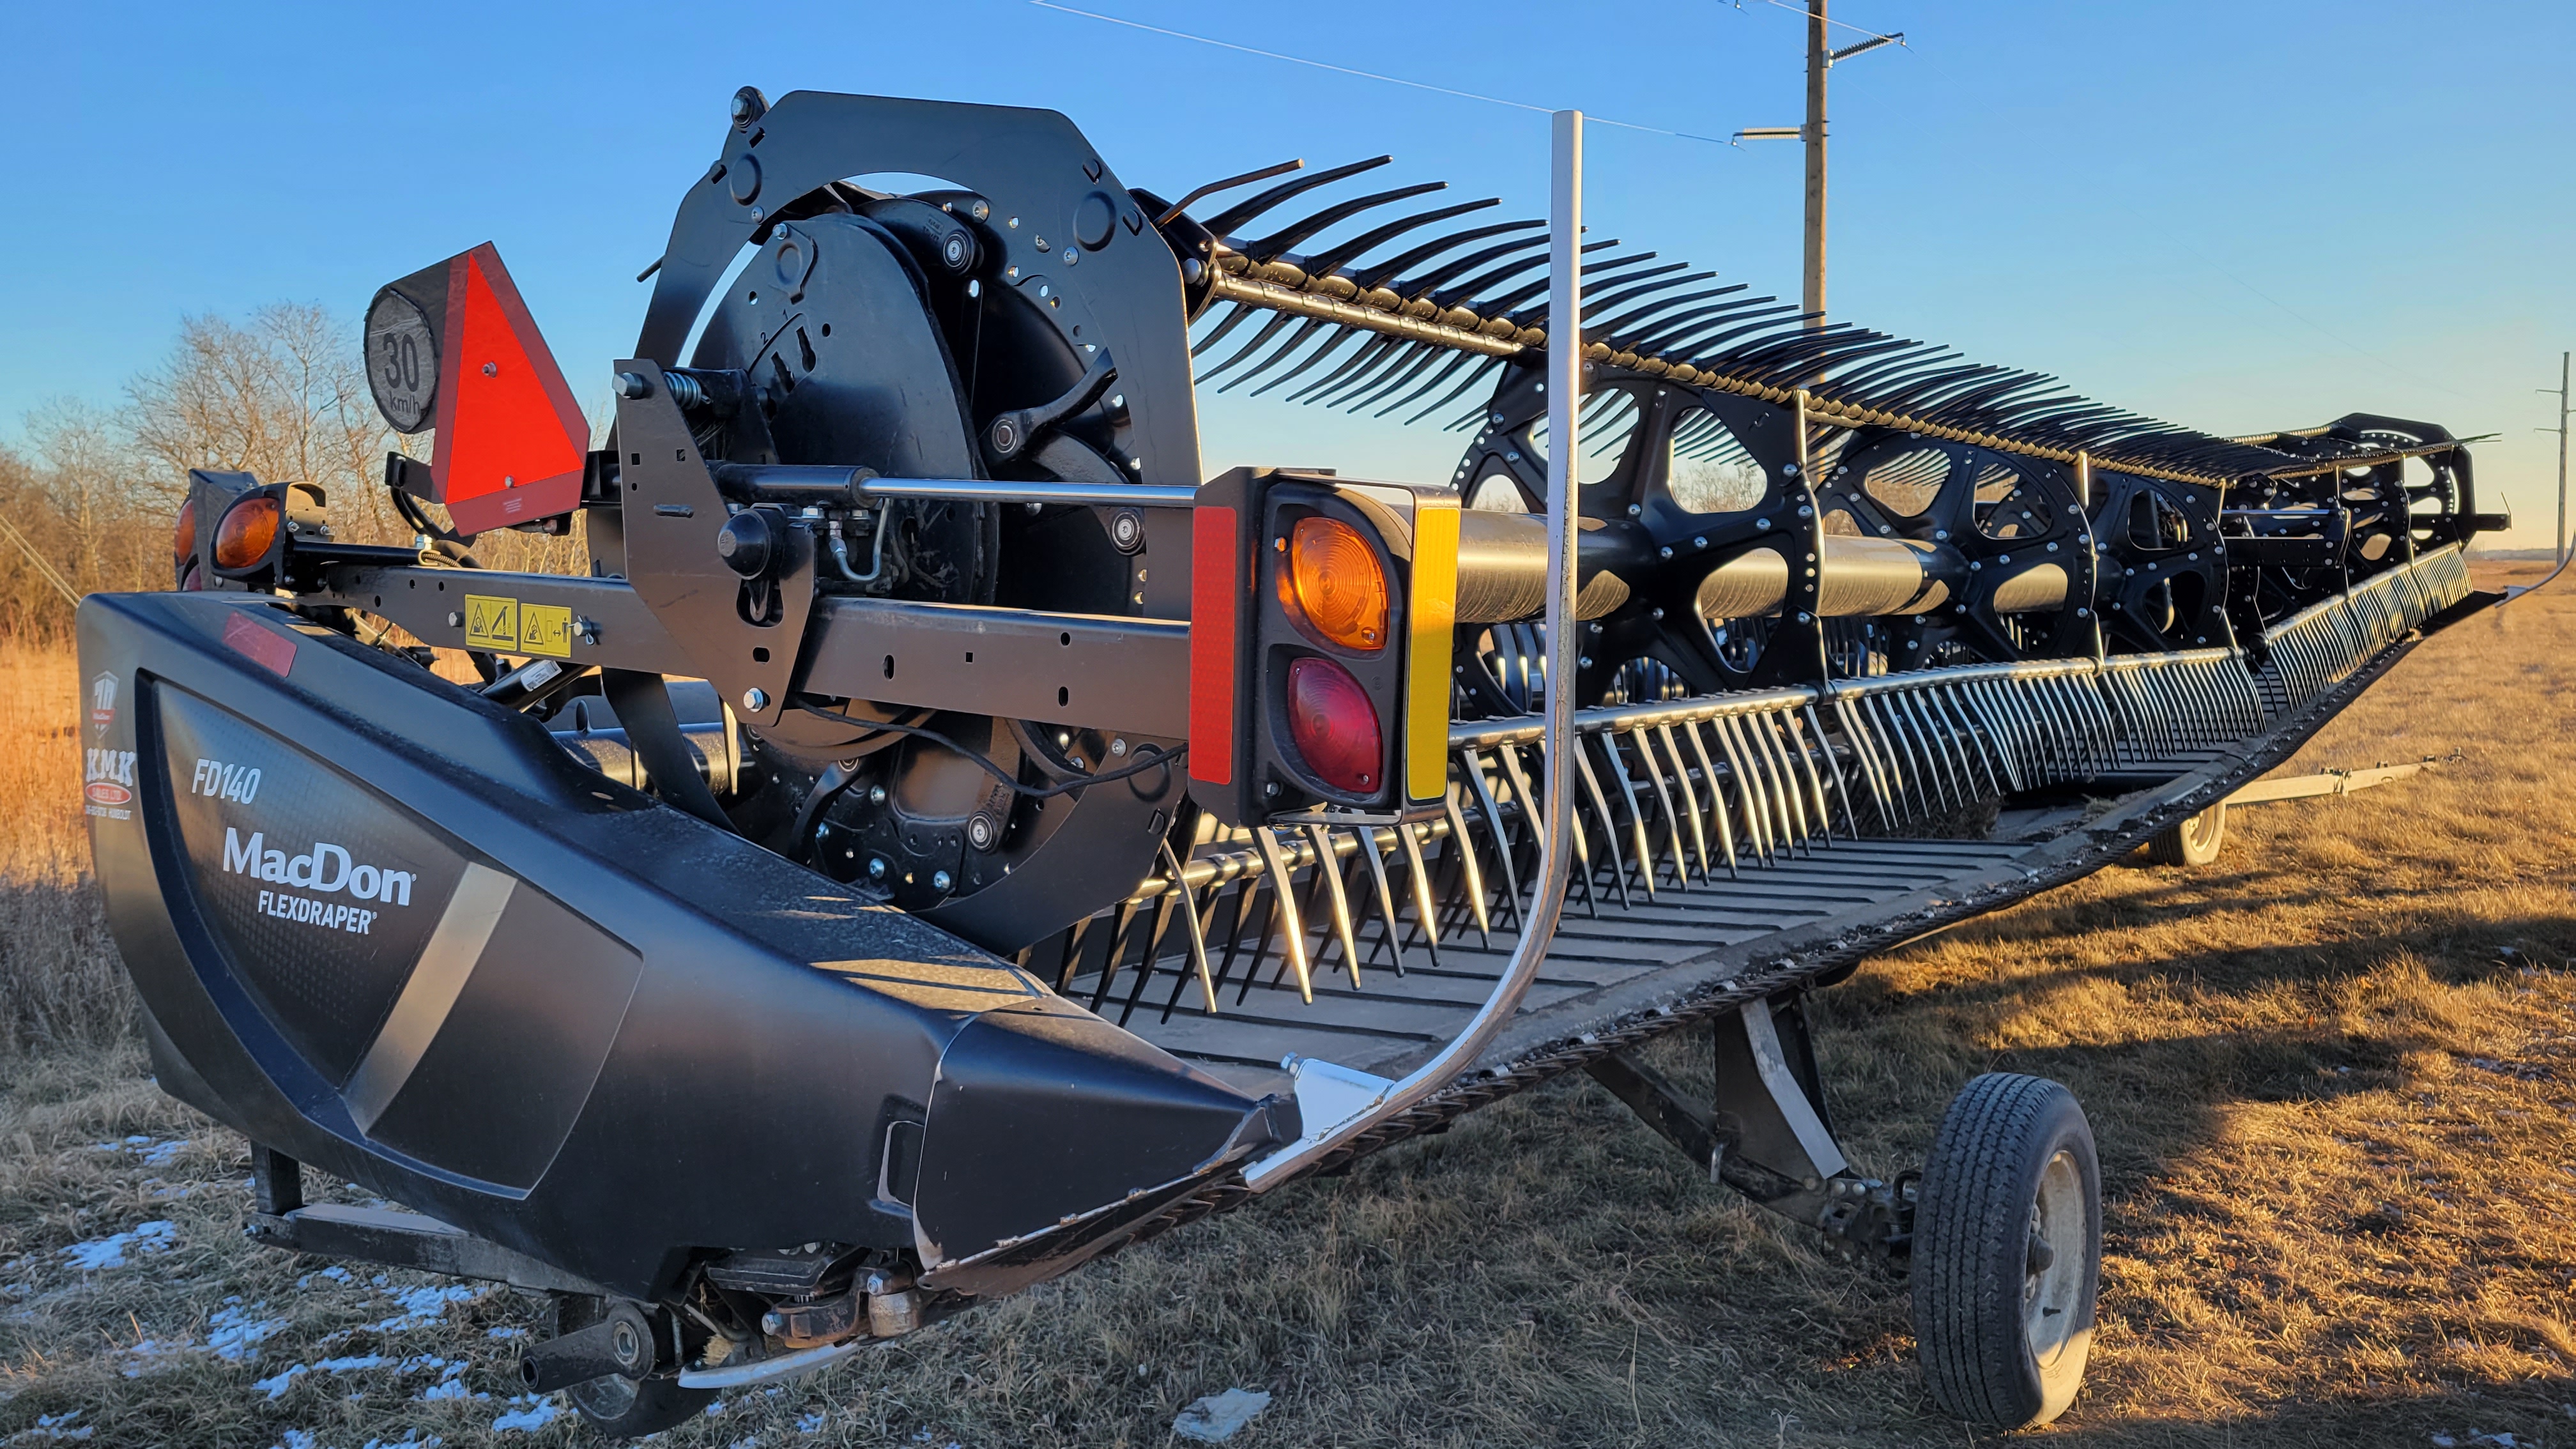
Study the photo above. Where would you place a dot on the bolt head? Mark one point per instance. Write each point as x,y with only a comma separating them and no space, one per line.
979,832
876,867
876,795
755,700
455,620
634,385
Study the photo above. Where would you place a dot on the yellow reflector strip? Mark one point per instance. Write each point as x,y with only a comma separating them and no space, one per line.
1429,632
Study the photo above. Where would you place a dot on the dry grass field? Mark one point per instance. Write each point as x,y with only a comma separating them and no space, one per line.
2333,1076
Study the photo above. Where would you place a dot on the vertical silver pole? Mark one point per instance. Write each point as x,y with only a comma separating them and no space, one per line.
1340,1085
2558,543
1819,61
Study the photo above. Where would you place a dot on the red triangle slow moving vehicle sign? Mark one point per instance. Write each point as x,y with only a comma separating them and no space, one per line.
511,440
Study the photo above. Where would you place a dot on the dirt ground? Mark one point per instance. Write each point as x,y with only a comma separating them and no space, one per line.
2333,1077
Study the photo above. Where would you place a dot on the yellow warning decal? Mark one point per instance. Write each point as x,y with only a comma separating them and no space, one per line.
511,627
491,622
546,629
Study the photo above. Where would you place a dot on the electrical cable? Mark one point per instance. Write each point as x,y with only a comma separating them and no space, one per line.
1363,74
1162,760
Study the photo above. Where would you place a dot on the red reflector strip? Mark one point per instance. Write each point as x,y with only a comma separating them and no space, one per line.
262,645
1216,594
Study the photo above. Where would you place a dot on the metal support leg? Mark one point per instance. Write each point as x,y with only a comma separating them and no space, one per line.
276,1181
1767,1136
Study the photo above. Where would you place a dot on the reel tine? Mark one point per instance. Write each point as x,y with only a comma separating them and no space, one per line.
1270,924
1866,755
1472,879
1833,769
1153,953
1494,829
1282,890
1536,818
1716,795
1900,752
1748,787
1663,799
1636,810
1427,918
1109,964
1328,866
1804,796
1962,725
1954,749
1822,808
1385,896
1690,797
1227,324
1981,702
1776,790
1937,769
1064,967
1609,823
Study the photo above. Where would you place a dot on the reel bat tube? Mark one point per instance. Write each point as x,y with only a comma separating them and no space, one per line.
1502,576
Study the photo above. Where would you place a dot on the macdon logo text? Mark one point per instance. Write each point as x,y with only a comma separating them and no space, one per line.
326,869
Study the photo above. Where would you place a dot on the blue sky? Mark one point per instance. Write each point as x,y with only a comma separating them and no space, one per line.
2236,215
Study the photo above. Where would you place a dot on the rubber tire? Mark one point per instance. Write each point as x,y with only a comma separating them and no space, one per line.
2194,840
1972,1229
624,1408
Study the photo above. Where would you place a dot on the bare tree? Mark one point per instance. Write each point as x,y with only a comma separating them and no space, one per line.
284,398
282,395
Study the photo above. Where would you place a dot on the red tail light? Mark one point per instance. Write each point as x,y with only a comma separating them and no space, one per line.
1333,726
248,531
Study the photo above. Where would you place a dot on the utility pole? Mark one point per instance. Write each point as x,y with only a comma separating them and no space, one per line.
1811,294
1820,59
2558,542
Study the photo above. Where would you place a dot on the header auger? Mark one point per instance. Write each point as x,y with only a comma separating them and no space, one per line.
945,836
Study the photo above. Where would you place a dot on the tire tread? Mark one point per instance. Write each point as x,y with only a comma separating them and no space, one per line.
1965,1331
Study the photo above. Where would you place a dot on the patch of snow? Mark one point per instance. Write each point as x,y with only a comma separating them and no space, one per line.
448,1389
151,1354
810,1424
422,1306
538,1413
52,1426
1217,1418
160,1154
505,1331
235,1336
109,1252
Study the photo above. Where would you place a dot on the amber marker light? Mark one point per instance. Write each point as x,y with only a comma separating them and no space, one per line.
183,534
248,531
1334,726
1340,586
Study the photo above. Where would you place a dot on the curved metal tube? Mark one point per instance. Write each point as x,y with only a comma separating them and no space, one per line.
1538,923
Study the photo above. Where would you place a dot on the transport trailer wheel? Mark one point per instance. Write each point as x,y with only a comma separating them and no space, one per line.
615,1405
2007,1248
2194,840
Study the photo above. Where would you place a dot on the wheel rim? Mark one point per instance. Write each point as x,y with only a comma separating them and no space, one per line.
2055,1271
2202,829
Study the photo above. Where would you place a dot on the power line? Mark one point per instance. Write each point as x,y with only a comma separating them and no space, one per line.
1393,80
1893,37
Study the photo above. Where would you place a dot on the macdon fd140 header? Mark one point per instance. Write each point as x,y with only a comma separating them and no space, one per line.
943,837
